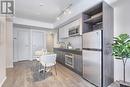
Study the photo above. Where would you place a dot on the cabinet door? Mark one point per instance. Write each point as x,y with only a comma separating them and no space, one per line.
57,56
78,64
63,32
76,23
66,30
60,56
59,53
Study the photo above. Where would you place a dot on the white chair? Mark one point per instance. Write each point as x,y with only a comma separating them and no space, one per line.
39,53
48,61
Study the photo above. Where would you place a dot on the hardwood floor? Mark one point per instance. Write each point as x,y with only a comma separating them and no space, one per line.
21,76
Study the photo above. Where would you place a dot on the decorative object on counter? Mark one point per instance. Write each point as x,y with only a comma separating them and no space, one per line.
121,50
69,46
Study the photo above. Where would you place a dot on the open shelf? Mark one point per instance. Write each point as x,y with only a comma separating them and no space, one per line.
94,10
94,19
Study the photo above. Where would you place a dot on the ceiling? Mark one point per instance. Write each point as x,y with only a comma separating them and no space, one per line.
50,9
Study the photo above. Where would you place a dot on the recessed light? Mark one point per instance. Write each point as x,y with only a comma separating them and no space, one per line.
65,12
58,18
41,4
69,12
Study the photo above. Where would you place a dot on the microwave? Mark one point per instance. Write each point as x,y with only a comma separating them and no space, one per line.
74,31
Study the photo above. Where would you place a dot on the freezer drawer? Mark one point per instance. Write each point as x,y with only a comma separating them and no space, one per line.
92,39
92,66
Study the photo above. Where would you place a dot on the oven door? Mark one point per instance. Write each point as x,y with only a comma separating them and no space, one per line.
69,61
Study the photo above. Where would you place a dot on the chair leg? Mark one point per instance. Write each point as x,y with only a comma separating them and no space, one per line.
55,69
51,69
45,72
40,70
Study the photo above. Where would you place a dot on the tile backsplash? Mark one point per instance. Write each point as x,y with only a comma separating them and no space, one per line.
76,41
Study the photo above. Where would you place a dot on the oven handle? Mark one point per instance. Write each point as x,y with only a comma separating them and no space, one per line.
69,56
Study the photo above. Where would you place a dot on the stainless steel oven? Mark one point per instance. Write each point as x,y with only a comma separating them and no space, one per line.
69,60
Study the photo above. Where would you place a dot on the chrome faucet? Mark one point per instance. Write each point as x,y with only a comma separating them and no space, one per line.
63,43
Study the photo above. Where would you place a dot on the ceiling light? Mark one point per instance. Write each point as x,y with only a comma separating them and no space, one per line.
58,18
41,4
69,12
65,11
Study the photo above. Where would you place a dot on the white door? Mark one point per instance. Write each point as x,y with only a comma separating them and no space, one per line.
38,42
15,45
23,45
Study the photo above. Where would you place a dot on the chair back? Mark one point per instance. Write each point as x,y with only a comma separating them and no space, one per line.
48,59
40,52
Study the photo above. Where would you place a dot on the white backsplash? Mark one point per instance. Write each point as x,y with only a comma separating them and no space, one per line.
76,41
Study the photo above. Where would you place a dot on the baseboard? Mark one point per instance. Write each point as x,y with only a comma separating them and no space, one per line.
22,60
2,82
11,66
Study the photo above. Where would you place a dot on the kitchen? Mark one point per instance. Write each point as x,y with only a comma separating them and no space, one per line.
69,51
83,45
69,45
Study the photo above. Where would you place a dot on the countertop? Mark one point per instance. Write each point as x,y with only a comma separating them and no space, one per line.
73,51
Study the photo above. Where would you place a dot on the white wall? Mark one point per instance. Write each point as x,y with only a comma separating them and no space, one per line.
121,25
2,50
49,41
56,45
9,43
6,46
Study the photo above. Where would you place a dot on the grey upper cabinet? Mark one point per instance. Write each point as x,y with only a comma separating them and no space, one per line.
78,64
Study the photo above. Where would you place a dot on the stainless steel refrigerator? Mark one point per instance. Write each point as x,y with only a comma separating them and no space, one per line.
92,57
